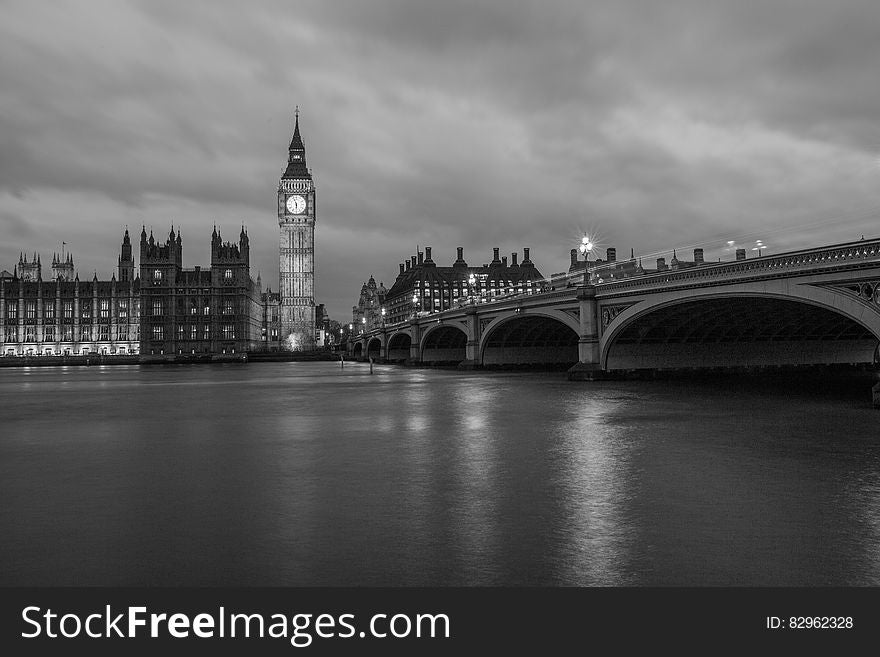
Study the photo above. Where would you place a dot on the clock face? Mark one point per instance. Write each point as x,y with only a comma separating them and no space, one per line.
296,204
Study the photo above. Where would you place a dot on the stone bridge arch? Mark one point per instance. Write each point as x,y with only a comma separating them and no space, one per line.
767,323
374,347
444,343
543,337
399,345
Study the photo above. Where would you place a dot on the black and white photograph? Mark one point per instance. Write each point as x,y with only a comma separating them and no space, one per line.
431,307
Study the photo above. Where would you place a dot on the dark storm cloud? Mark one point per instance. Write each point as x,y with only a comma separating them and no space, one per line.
480,124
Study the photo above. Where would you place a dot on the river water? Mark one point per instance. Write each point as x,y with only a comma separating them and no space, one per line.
295,474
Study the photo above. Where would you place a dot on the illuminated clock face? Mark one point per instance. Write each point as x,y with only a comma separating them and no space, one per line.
296,204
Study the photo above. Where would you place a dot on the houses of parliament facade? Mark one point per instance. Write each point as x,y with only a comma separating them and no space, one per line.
159,309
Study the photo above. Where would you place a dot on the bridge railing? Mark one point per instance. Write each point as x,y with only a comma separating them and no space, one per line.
864,250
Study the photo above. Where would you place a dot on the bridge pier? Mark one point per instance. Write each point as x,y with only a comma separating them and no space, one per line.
415,345
588,367
472,348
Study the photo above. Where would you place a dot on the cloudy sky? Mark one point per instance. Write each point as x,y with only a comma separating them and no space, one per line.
653,125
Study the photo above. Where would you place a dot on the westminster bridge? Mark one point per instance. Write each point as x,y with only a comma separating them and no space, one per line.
814,306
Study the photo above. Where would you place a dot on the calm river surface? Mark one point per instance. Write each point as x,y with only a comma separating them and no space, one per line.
297,474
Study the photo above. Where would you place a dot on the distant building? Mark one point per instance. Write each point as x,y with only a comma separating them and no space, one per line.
367,314
66,316
422,286
218,310
611,269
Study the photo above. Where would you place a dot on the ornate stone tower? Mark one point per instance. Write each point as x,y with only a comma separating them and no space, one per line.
30,270
126,261
296,222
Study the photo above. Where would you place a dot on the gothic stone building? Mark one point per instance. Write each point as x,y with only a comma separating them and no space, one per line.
198,311
66,316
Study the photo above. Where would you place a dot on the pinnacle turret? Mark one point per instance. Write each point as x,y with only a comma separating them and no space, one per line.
296,159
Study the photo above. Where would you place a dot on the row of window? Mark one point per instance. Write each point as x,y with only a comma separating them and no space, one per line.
194,332
159,306
112,350
67,309
158,276
481,281
69,333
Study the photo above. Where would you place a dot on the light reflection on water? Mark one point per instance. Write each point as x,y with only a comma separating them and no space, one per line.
311,474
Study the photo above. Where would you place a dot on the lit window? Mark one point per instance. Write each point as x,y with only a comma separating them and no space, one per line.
158,333
30,310
228,275
157,275
11,310
105,308
157,306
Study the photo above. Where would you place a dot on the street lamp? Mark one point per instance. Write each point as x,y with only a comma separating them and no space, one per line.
415,300
383,315
585,248
472,281
363,324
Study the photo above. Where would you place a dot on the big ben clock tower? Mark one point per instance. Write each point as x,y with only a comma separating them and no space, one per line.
296,222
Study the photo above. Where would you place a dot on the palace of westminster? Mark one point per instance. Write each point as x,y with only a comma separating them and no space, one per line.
160,308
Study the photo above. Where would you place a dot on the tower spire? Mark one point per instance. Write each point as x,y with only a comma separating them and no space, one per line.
296,143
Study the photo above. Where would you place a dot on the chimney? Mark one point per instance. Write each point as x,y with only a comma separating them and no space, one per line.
427,253
611,254
401,267
698,256
421,257
574,257
503,261
661,264
526,255
413,261
407,265
460,252
740,254
513,259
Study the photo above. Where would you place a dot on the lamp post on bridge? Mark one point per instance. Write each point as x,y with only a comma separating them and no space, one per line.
585,248
472,282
